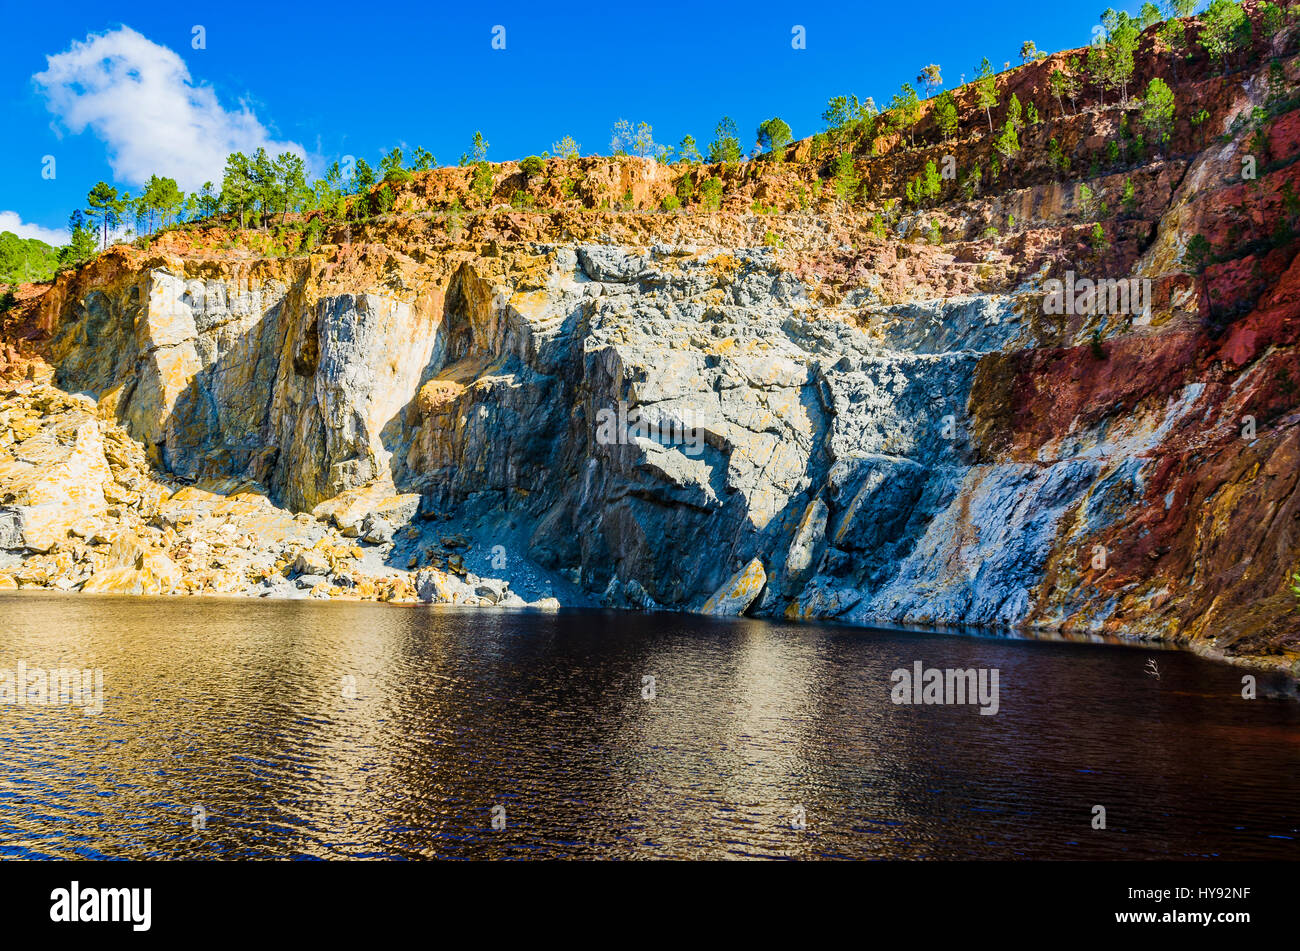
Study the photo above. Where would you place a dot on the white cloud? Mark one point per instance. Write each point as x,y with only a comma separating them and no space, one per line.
139,98
11,221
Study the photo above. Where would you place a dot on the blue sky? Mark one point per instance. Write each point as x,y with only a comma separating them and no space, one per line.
358,79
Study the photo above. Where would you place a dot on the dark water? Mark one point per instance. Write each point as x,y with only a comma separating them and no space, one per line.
240,707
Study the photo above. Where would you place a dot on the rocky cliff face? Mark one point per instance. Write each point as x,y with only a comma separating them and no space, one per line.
781,412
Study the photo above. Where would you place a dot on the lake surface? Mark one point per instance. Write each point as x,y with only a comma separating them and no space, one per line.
335,730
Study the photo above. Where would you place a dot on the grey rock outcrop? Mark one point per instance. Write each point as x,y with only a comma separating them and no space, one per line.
669,428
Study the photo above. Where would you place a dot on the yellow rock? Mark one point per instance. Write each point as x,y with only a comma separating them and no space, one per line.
347,509
62,490
738,592
157,574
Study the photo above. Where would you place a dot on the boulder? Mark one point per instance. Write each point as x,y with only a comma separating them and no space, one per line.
11,529
313,561
491,590
738,592
157,574
806,544
376,530
438,587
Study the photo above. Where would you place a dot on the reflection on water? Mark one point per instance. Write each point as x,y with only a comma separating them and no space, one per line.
350,730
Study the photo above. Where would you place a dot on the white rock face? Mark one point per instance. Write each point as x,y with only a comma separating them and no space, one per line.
642,421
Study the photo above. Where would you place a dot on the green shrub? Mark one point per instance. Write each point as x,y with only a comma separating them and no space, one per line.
685,189
1197,255
845,177
1057,157
311,236
381,201
481,183
711,192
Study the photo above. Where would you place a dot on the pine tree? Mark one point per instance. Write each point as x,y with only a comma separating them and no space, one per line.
1064,86
477,151
906,108
1174,37
725,146
687,152
206,201
422,160
931,78
291,181
846,177
81,244
566,148
103,202
945,114
1224,29
479,148
931,182
643,143
1158,109
1121,45
620,141
364,181
265,187
237,185
986,90
391,165
1015,114
1007,143
840,111
1098,70
774,134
